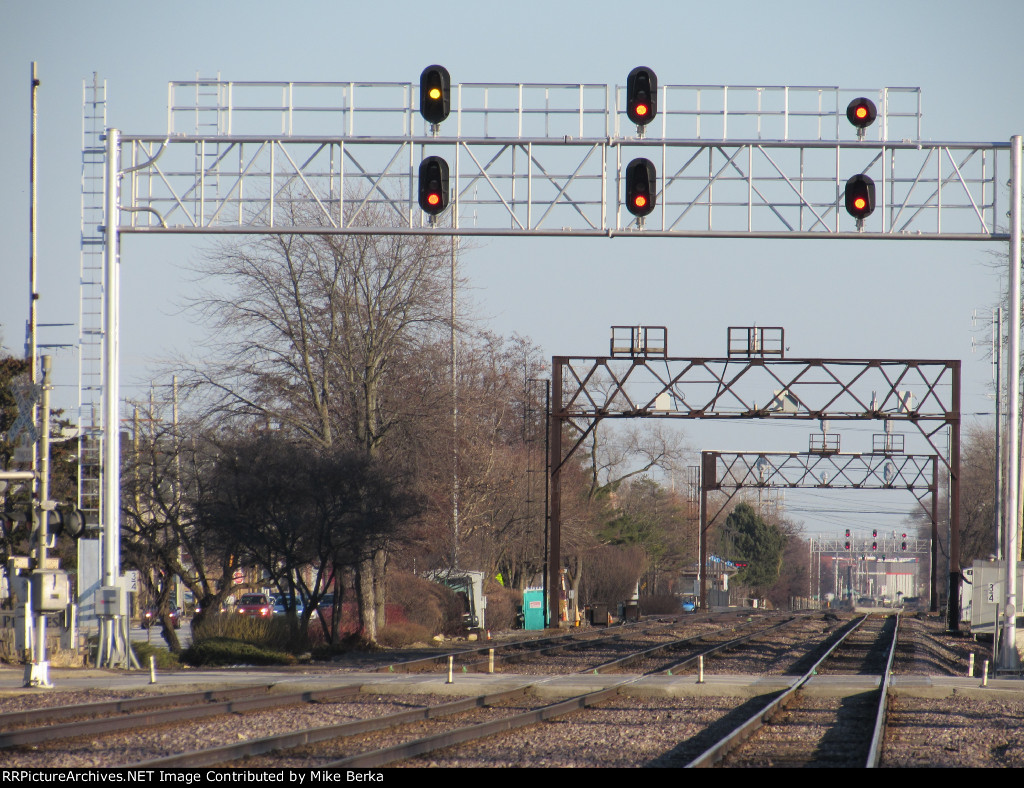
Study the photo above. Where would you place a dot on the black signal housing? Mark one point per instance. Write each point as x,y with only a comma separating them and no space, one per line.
641,187
861,112
435,94
433,185
641,95
860,196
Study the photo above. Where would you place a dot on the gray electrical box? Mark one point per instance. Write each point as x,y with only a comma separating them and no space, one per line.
49,590
984,592
110,601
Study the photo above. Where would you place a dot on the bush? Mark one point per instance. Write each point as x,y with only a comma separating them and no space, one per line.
165,660
274,632
502,604
428,605
224,651
254,638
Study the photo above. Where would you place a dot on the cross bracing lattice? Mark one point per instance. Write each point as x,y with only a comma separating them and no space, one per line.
737,471
740,470
919,392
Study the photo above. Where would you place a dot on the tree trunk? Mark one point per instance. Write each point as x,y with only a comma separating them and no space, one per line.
380,558
365,599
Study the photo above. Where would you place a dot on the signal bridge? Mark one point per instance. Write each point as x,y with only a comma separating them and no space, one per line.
555,159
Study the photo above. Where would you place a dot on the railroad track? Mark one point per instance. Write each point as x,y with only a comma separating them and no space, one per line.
480,716
603,643
797,729
385,735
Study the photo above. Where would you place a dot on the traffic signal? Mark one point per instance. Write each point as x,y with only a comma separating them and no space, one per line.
435,94
860,196
433,182
67,520
903,544
874,534
641,95
847,544
861,113
641,187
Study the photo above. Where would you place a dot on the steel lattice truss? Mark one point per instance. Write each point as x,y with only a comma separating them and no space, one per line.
922,393
736,471
732,472
926,394
546,160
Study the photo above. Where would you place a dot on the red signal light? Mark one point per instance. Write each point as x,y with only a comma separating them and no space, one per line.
433,185
861,112
860,196
641,187
641,95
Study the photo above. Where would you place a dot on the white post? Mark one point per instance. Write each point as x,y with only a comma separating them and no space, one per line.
112,651
1008,658
37,673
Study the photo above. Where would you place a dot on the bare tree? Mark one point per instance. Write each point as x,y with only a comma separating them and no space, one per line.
164,470
315,334
633,451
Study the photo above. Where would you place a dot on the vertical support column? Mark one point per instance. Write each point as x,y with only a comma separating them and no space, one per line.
555,418
1008,659
955,571
708,481
37,673
933,573
111,648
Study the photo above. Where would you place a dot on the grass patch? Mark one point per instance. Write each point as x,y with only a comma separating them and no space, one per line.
165,660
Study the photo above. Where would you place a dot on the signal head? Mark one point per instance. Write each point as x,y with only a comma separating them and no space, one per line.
435,94
860,196
861,112
641,187
641,95
433,185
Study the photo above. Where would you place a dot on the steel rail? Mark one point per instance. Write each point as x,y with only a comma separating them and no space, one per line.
719,750
549,645
469,733
159,717
440,741
230,752
227,753
881,717
606,639
746,730
710,649
14,718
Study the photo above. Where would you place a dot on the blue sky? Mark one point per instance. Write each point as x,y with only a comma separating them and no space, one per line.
835,299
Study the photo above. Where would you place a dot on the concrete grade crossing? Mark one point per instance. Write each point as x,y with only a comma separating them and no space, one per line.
555,686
